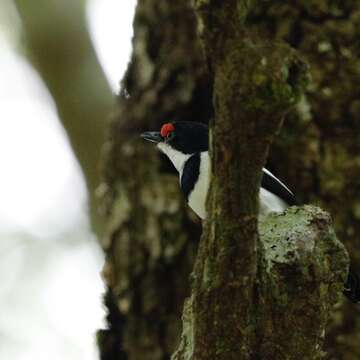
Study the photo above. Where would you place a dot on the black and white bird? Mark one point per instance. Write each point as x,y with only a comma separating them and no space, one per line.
186,144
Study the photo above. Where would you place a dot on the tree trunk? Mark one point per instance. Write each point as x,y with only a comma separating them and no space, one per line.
60,48
235,294
294,289
152,238
317,152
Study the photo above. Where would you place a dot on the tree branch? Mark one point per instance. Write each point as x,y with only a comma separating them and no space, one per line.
60,49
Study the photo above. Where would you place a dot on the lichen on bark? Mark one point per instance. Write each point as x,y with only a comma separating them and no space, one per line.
301,270
301,274
317,150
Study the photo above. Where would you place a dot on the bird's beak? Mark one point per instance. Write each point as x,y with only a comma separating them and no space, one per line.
153,136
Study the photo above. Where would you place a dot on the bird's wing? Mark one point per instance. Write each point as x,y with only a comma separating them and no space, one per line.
275,186
190,175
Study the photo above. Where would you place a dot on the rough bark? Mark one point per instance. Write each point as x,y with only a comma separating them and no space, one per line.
151,239
317,152
255,84
59,46
301,270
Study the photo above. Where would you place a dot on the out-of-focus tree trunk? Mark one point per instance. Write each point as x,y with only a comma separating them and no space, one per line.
151,238
59,46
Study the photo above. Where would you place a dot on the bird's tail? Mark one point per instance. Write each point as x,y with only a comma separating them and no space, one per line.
352,286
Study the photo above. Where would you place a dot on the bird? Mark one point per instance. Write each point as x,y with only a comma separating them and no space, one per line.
186,144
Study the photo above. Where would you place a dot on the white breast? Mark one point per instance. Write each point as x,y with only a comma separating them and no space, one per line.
177,158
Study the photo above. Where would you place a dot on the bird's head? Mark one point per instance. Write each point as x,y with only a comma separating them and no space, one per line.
186,137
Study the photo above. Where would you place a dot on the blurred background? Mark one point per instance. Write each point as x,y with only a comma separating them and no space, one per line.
60,66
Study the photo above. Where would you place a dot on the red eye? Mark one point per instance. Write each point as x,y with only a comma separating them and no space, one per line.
167,129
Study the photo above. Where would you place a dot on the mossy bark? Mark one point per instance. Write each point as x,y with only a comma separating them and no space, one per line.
151,238
301,270
317,151
255,83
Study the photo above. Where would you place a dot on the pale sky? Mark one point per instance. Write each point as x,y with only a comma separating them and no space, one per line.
56,310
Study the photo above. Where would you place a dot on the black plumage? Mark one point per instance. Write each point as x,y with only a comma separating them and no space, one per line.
275,186
190,175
